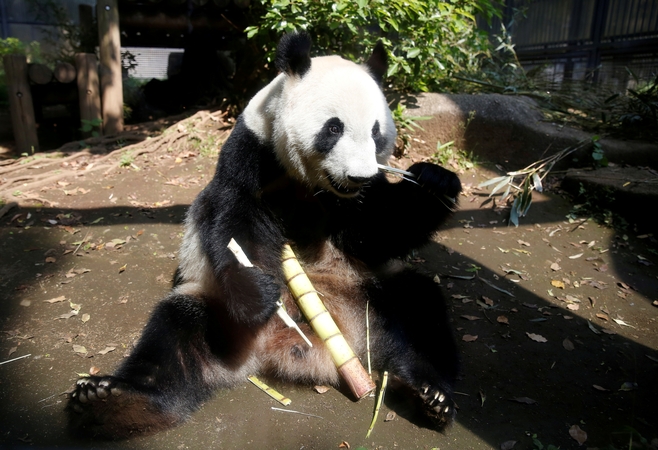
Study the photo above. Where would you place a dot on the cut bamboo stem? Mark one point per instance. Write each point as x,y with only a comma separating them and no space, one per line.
309,302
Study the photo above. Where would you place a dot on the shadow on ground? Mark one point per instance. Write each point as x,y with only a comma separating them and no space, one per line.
113,262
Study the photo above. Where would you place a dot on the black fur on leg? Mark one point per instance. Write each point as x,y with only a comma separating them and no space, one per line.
416,343
177,364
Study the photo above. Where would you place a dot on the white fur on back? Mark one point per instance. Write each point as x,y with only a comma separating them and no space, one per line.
290,111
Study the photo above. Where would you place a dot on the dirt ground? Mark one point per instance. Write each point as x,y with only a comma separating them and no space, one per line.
558,334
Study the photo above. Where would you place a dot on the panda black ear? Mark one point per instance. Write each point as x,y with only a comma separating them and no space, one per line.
378,63
293,53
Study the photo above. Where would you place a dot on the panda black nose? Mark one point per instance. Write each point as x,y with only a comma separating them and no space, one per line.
359,180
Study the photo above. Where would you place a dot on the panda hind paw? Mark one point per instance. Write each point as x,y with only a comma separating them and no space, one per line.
93,389
438,405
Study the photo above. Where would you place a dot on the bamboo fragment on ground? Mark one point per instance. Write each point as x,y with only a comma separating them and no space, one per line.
380,399
276,395
309,302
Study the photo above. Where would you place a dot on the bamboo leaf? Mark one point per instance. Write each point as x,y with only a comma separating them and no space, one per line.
492,181
514,213
500,185
536,180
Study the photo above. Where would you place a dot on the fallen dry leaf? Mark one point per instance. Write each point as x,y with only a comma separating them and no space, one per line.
79,349
577,434
599,388
507,445
467,317
502,319
469,338
555,267
558,284
107,350
568,345
122,268
536,337
321,389
390,416
93,370
61,298
85,318
526,400
68,315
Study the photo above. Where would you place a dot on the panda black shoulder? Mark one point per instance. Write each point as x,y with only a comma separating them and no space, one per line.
245,160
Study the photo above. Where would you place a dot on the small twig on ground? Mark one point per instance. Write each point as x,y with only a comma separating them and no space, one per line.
15,359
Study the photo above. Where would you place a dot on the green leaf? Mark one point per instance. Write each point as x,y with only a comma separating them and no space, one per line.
393,69
251,31
413,53
514,213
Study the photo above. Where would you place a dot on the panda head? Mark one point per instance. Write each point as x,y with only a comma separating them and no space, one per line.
326,117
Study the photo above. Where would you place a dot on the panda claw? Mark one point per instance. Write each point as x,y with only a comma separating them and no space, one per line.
82,398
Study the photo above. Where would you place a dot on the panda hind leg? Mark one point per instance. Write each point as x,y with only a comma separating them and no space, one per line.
415,343
176,365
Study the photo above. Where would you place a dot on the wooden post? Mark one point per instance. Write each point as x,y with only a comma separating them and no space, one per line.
20,104
109,39
88,87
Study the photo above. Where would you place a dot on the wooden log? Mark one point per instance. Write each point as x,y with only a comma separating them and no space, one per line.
88,88
109,39
64,72
39,73
20,104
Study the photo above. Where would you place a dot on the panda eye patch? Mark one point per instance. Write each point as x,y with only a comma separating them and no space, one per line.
380,141
375,130
329,135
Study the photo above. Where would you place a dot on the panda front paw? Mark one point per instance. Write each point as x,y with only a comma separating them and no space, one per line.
438,404
437,180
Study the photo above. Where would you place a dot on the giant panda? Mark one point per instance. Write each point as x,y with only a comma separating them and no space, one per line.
300,167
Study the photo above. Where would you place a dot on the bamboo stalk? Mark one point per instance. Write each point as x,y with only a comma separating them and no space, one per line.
309,302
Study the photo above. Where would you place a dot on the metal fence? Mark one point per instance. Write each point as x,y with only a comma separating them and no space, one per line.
599,40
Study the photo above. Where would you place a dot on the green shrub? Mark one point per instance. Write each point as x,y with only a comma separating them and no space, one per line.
428,41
